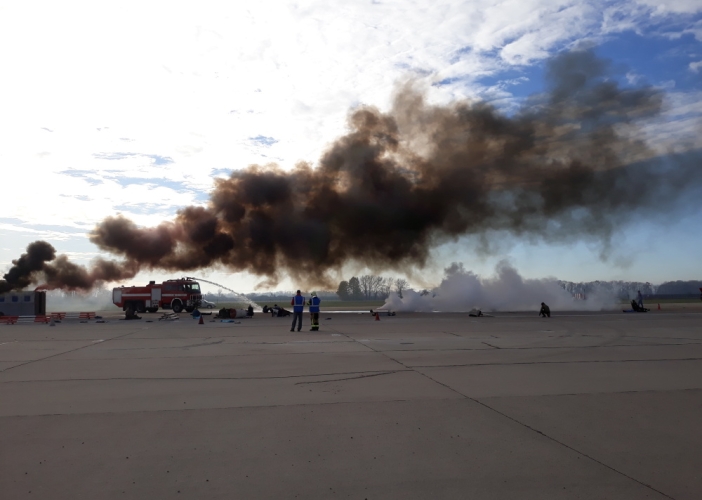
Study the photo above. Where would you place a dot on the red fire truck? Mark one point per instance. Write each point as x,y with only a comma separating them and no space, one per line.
172,294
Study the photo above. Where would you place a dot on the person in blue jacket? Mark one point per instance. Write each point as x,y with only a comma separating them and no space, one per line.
314,311
298,303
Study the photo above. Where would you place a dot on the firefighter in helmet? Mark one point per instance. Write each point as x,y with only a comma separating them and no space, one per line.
314,311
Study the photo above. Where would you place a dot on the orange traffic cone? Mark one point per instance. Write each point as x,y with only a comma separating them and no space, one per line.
377,317
659,307
201,322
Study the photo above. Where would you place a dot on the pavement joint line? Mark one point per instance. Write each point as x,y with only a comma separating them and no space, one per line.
371,373
530,428
656,337
575,450
543,347
556,395
333,403
62,353
533,429
217,356
376,351
250,343
327,403
559,362
51,340
570,348
358,353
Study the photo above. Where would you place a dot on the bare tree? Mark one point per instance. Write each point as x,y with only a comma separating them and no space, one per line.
376,284
400,286
386,287
366,282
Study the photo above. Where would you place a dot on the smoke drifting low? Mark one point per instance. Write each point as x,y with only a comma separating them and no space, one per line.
566,166
40,264
461,291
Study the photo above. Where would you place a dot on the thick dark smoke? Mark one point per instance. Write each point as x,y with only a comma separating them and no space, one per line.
40,264
567,166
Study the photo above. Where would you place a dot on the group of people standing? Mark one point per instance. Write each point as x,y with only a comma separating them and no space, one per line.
298,303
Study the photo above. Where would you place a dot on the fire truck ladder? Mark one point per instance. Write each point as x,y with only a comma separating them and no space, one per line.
237,295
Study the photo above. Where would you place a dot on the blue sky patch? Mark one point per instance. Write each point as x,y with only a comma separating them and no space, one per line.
155,159
68,230
221,171
178,186
656,60
87,175
262,140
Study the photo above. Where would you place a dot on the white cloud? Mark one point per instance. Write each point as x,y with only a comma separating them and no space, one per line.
695,66
673,6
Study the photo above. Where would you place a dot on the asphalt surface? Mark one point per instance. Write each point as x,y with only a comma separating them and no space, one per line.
412,406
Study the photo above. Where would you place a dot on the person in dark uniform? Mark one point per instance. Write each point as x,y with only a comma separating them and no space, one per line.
545,311
298,303
314,311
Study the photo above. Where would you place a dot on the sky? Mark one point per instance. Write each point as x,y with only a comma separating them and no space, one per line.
135,107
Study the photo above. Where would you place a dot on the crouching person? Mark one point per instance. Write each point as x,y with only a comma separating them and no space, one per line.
545,311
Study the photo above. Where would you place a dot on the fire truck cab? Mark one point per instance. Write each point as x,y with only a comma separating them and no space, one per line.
177,295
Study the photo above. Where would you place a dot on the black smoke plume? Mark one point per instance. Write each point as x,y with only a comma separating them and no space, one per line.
40,264
568,165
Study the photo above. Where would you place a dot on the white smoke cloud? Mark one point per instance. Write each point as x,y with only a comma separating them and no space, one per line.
97,300
507,290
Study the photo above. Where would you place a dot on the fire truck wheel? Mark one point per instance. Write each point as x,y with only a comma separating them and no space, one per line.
140,307
189,309
177,306
152,309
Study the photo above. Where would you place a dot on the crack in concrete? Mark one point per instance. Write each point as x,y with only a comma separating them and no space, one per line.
490,345
533,429
527,426
92,343
351,378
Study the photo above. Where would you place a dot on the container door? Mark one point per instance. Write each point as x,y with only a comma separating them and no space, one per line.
117,296
155,296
